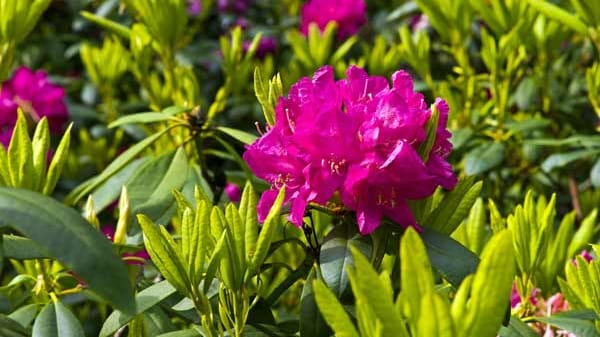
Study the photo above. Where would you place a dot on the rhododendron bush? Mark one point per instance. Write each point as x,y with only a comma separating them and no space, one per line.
309,168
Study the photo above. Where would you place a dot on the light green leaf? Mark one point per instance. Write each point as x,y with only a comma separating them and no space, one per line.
554,12
333,312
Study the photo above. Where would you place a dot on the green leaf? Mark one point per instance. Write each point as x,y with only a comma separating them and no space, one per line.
266,234
336,256
24,315
376,295
243,137
141,118
164,253
248,204
56,320
182,333
448,257
312,323
490,289
109,25
454,207
61,231
41,144
144,300
579,327
150,188
554,12
11,328
20,248
333,312
559,160
434,318
58,162
484,158
114,167
109,191
20,155
416,275
516,328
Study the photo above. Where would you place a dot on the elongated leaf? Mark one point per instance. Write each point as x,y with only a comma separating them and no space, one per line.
242,136
336,256
516,328
20,155
454,207
579,327
333,312
491,288
435,319
20,248
312,323
484,158
61,231
141,118
109,25
150,188
144,300
266,234
164,254
56,320
114,167
448,257
58,162
417,278
11,328
554,12
559,160
24,315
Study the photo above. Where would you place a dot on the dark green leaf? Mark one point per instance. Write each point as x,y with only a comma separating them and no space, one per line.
56,320
114,167
244,137
558,160
20,248
11,328
312,323
484,158
61,231
144,300
580,327
141,118
451,259
335,257
516,328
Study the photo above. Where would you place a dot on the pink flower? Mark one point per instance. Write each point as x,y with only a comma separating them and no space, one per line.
358,137
237,6
349,15
266,45
233,192
36,96
194,7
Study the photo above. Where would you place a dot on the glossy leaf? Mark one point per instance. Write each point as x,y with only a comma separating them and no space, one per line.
56,320
61,231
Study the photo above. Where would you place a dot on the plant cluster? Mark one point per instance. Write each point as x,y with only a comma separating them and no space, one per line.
413,168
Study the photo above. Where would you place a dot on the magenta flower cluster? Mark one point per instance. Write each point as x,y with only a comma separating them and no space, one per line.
349,15
36,96
358,137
